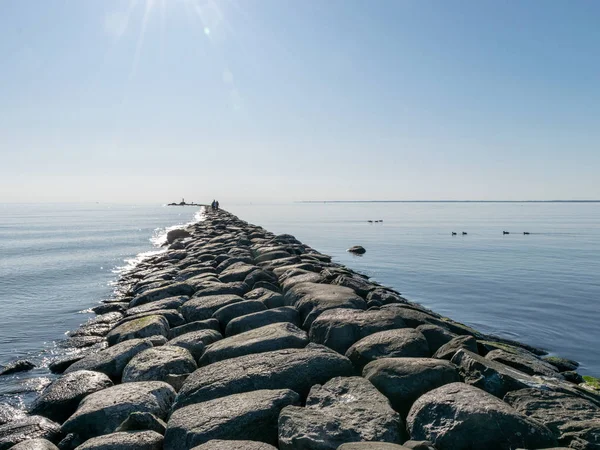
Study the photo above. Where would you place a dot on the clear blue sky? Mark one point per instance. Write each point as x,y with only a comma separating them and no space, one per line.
273,100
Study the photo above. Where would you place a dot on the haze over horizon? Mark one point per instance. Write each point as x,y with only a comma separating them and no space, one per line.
262,100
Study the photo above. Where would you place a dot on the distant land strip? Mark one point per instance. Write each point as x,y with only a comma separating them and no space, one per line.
448,201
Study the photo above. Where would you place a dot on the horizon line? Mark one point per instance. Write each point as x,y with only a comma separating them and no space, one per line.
447,201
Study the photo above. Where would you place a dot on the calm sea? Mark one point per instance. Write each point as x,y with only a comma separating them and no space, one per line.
543,288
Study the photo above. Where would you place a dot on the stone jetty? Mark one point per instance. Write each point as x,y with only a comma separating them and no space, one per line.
236,338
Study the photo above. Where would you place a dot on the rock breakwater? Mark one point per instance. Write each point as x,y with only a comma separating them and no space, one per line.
236,338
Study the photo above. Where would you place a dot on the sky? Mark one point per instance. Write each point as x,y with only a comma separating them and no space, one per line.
150,101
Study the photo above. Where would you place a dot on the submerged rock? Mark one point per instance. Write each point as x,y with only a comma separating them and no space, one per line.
30,427
102,412
251,415
342,410
404,380
295,369
357,249
21,365
129,440
155,364
59,400
462,417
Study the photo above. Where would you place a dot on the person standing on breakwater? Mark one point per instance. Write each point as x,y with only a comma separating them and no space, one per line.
213,205
217,205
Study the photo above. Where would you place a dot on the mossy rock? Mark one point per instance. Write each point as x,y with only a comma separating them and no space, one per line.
562,364
591,383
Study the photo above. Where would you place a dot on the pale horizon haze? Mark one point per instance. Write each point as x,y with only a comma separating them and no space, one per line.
268,100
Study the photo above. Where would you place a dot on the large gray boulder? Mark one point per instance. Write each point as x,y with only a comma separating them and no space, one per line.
462,417
30,427
562,414
491,376
162,292
404,380
227,313
35,444
144,327
102,412
220,444
113,360
436,336
312,299
525,362
339,328
9,413
59,400
196,341
142,421
208,324
249,415
265,339
400,343
20,365
260,319
125,440
213,288
155,364
447,351
295,369
342,410
236,272
178,233
172,316
167,303
202,308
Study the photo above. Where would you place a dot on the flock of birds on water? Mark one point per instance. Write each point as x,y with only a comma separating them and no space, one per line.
454,233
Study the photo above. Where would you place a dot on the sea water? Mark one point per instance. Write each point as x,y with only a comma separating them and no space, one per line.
57,261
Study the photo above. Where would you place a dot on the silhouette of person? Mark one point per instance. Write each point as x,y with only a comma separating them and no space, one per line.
217,204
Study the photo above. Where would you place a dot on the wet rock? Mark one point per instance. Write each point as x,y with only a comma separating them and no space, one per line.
173,317
357,249
285,314
295,369
340,328
59,400
113,360
491,376
458,416
62,364
342,410
139,329
9,413
167,303
312,299
30,427
84,341
250,415
35,444
196,341
202,308
171,290
218,444
111,307
523,361
208,324
572,376
400,343
128,440
227,313
276,336
404,380
436,336
562,364
557,410
173,235
154,364
447,351
96,329
21,365
102,412
140,421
